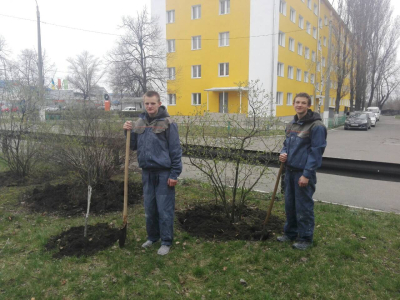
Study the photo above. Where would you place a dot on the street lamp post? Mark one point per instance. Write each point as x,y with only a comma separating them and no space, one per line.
40,59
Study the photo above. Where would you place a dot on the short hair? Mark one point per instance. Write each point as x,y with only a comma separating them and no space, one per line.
304,95
152,94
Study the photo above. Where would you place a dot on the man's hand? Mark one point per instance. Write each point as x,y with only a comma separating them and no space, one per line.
283,157
303,181
172,182
128,125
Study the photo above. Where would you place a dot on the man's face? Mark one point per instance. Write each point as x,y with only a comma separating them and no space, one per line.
151,104
301,105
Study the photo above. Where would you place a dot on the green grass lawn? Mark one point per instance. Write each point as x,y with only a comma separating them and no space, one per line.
355,256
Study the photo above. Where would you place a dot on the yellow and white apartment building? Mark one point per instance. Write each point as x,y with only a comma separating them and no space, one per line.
213,45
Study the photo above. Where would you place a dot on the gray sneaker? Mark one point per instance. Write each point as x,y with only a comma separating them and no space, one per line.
284,238
147,244
302,245
163,250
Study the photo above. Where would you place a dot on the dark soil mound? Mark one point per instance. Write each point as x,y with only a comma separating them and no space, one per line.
72,199
72,242
210,222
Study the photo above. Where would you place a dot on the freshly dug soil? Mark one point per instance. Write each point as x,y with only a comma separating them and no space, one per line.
210,222
72,242
70,200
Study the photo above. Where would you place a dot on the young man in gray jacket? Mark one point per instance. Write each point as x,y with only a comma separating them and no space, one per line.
156,139
302,152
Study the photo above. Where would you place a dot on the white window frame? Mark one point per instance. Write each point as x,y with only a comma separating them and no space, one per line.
196,71
224,7
315,9
225,69
308,27
171,46
307,53
292,15
291,44
320,23
196,98
290,72
196,42
315,32
312,100
196,12
313,56
318,66
300,49
299,74
326,20
309,4
224,39
323,62
171,73
279,98
281,39
171,99
171,16
281,69
301,22
312,78
282,7
305,76
325,41
289,99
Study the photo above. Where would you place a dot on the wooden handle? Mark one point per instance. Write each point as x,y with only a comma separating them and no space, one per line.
127,150
274,194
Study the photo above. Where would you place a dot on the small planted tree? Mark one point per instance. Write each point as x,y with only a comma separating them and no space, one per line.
225,136
89,147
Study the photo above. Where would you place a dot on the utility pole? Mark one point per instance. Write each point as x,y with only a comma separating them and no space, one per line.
328,77
40,59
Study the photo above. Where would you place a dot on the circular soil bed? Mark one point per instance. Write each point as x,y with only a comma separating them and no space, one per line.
70,200
73,243
210,222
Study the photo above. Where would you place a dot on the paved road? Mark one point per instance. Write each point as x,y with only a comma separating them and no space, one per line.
381,143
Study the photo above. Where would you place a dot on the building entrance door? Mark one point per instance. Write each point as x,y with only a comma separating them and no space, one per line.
223,102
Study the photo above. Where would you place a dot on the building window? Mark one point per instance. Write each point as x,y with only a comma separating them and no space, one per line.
171,45
301,22
290,72
320,23
323,61
312,100
305,76
280,69
289,99
307,53
298,75
312,79
196,42
282,7
300,49
292,15
224,7
291,44
326,20
224,39
170,16
171,73
315,9
196,98
319,45
318,66
196,12
308,27
279,98
325,41
171,99
314,32
313,56
196,71
281,39
223,69
309,4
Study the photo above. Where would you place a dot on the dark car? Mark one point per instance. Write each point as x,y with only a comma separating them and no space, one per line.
358,120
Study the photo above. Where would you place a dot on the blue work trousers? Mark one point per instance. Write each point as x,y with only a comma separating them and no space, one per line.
159,206
299,207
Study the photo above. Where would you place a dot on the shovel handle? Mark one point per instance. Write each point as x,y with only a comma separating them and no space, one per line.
127,150
273,195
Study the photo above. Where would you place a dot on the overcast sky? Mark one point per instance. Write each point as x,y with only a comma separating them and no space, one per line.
18,26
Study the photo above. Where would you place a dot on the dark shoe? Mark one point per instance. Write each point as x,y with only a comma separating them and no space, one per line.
302,245
284,238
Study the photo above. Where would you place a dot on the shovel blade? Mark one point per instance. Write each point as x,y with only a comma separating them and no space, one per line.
122,236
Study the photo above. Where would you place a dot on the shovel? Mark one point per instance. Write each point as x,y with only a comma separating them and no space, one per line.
122,231
271,204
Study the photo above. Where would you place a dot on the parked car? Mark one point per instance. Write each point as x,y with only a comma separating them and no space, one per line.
375,110
372,116
130,108
5,109
51,108
358,120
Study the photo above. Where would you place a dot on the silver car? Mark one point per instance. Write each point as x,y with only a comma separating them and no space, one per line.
372,116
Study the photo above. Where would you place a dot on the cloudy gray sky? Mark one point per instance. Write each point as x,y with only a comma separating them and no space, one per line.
18,26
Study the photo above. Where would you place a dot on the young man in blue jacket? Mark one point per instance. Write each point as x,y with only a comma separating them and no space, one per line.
302,152
155,137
